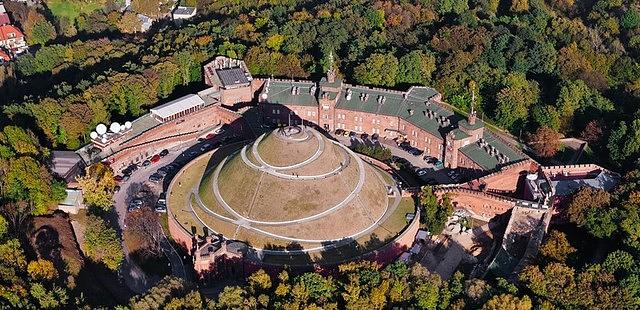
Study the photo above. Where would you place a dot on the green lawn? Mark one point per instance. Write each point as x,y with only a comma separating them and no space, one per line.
72,9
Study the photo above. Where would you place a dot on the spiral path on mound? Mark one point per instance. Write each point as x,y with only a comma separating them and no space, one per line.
370,218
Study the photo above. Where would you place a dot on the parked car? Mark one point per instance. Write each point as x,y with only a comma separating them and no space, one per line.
162,198
414,152
161,208
133,167
210,136
155,158
117,178
116,188
339,132
164,153
155,178
219,131
125,178
135,204
205,147
421,172
146,163
364,136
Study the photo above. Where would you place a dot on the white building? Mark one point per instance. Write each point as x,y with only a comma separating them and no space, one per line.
184,12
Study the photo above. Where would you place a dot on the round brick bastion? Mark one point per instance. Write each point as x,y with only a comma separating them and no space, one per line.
295,197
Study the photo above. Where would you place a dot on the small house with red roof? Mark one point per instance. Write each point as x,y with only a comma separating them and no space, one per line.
12,38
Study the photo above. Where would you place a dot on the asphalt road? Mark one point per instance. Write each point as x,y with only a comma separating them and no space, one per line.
133,275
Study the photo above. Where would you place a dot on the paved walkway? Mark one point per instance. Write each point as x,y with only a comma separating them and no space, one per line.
275,173
256,154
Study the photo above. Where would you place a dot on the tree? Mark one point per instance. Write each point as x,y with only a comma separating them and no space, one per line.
129,23
38,29
42,269
234,297
515,99
584,199
28,182
519,5
101,243
630,19
507,302
416,67
545,141
21,141
556,247
97,186
49,299
477,291
434,215
378,70
168,293
592,132
144,227
624,142
259,281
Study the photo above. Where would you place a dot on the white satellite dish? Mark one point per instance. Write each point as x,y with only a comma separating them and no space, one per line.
93,135
123,127
104,140
127,124
101,129
115,127
264,96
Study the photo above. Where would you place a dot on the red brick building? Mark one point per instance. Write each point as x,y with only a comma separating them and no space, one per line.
416,116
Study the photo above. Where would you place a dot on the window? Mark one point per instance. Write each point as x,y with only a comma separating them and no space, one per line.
403,127
308,113
313,113
325,107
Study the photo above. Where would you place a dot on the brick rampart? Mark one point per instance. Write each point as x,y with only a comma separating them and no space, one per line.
506,178
484,205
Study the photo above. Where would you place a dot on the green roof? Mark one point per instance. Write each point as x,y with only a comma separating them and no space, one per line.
484,159
414,106
411,106
280,93
459,134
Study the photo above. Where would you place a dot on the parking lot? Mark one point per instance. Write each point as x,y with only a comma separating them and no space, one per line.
142,184
423,172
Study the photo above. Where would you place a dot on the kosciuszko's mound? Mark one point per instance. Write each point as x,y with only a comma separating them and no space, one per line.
297,190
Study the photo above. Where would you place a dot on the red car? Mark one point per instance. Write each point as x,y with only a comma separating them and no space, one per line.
210,136
155,158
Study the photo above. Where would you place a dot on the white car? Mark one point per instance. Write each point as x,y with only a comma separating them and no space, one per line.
218,131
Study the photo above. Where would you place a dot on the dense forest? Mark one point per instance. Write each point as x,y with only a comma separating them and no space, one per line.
564,66
570,66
